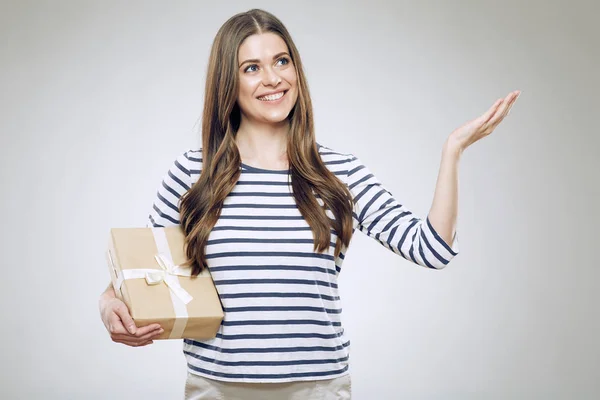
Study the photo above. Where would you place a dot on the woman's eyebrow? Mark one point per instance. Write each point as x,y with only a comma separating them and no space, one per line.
255,60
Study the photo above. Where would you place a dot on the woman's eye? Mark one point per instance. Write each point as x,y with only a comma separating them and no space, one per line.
283,61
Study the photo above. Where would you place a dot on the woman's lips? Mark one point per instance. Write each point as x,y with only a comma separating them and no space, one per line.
276,97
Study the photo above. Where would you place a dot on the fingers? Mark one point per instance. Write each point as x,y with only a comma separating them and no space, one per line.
508,102
138,339
123,313
148,329
490,113
139,335
517,94
116,328
128,338
502,110
122,328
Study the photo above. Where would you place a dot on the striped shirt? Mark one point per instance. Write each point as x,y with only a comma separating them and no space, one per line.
280,299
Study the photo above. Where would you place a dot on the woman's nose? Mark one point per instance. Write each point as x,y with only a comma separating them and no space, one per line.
270,77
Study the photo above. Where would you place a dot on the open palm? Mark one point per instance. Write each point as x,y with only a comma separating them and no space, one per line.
480,127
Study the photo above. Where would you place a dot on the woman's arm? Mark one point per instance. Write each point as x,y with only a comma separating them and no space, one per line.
380,216
430,242
444,209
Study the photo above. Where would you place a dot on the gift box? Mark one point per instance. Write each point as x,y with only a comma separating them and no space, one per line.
144,265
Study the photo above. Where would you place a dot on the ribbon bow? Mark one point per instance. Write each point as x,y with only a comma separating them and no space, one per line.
168,274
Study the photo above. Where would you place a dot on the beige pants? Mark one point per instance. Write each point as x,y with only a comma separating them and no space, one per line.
200,388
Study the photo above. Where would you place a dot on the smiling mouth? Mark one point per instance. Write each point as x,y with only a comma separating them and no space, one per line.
273,97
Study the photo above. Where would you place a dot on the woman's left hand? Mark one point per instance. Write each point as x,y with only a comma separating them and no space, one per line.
480,127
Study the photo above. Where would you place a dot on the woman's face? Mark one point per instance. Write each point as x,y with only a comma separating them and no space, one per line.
266,69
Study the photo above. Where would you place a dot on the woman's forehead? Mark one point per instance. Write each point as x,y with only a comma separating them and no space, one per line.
263,45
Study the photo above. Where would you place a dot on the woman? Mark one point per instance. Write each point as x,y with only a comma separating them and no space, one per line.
271,213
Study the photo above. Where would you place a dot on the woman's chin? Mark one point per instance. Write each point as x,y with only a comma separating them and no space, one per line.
272,117
276,118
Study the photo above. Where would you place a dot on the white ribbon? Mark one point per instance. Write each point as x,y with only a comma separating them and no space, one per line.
167,274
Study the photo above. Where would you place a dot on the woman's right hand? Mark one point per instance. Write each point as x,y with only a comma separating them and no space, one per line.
120,325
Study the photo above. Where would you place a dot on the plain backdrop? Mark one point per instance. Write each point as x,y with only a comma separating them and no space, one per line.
97,98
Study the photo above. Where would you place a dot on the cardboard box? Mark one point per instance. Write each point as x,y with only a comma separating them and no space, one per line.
185,306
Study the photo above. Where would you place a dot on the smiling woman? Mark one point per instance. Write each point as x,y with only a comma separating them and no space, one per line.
249,218
270,213
263,210
268,91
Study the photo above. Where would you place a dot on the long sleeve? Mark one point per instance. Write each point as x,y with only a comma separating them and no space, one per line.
378,215
177,181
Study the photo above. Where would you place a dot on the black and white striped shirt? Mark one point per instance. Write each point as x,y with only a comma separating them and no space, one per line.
281,301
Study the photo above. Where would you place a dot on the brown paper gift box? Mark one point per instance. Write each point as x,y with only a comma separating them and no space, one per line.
135,248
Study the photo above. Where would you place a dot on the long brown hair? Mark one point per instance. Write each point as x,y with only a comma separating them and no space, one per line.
200,207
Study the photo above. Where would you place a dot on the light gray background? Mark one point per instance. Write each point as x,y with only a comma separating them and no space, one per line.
99,97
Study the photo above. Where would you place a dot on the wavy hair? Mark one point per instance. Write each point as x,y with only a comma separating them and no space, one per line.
200,207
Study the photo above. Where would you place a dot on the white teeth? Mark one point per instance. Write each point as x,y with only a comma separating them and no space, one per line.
272,97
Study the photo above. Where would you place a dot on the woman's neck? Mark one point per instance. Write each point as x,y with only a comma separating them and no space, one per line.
263,145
